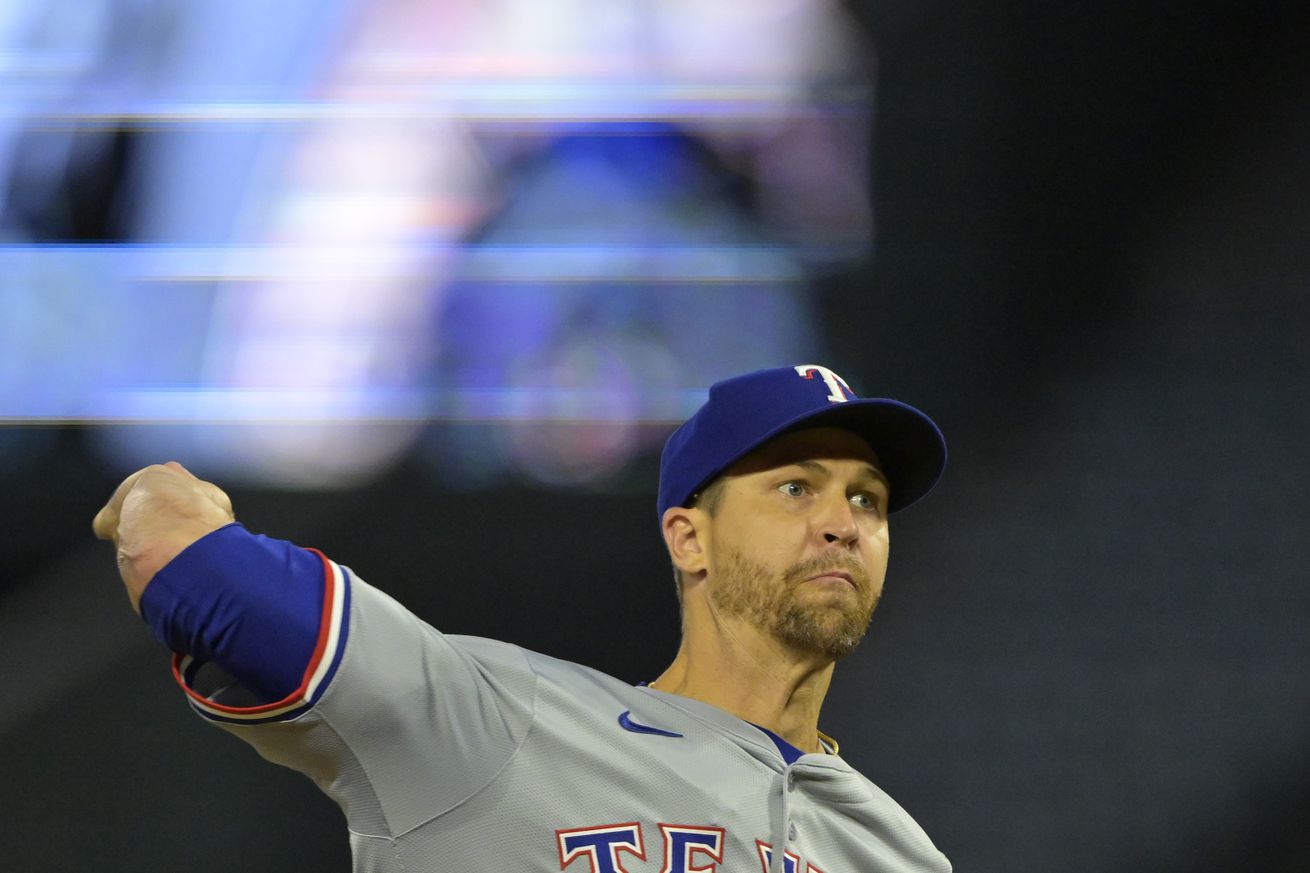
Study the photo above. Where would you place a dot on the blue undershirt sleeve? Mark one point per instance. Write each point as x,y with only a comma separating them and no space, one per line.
248,603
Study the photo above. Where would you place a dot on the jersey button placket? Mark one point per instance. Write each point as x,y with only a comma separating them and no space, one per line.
791,809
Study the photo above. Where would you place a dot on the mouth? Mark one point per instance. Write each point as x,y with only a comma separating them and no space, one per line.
833,577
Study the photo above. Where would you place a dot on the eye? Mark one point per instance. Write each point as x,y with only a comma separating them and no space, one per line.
866,501
792,489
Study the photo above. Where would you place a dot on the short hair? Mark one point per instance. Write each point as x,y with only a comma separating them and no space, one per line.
710,497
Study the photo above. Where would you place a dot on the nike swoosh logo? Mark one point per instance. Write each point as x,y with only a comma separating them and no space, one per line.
626,722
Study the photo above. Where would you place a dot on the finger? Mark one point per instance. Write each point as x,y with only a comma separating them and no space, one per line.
211,491
219,497
105,524
174,465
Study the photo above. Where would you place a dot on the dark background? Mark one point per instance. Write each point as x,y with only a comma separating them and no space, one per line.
1090,267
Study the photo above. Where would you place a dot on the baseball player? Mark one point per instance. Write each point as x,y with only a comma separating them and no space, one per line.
458,753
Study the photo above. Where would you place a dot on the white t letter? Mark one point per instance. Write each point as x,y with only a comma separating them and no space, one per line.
834,382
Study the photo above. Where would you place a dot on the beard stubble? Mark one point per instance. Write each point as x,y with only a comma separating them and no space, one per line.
748,590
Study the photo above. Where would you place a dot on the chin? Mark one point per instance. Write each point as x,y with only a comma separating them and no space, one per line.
826,632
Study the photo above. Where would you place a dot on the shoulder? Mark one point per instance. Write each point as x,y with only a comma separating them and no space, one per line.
549,670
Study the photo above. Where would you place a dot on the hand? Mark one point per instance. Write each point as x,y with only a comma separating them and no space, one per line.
155,514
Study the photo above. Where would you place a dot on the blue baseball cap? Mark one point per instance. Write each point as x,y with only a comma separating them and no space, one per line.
745,412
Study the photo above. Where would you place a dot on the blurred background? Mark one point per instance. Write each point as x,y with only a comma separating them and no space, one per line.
427,284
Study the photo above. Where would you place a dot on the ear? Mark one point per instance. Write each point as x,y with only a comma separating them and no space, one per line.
685,536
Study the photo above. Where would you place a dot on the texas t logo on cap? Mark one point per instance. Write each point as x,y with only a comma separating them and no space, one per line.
834,382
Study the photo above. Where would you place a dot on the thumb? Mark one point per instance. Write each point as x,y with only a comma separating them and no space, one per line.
212,492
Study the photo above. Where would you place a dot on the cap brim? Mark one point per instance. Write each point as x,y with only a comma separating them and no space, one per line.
909,445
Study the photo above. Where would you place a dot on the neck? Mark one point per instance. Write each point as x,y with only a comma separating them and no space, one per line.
754,677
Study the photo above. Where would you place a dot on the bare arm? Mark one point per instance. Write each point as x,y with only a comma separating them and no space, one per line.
155,514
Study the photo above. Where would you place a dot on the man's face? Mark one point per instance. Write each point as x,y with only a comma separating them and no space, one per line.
798,543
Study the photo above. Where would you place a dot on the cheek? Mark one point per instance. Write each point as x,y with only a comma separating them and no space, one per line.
766,540
882,535
877,548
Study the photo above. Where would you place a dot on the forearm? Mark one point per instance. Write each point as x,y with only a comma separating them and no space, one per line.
248,603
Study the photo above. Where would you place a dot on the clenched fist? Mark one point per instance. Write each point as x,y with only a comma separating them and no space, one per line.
155,514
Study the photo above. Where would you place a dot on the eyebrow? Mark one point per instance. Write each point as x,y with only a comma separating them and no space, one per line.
819,469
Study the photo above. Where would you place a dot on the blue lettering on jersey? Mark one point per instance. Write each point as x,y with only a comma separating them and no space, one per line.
687,849
789,860
600,846
682,842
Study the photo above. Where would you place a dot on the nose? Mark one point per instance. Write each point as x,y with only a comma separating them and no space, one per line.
837,523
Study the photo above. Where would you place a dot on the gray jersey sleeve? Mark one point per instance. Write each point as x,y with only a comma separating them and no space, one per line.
398,723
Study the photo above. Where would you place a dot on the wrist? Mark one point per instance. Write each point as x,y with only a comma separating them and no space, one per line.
139,562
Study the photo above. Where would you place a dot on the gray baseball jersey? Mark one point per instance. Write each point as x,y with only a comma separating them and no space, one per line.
459,753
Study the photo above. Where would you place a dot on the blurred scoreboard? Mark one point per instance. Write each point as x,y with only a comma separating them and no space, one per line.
295,242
